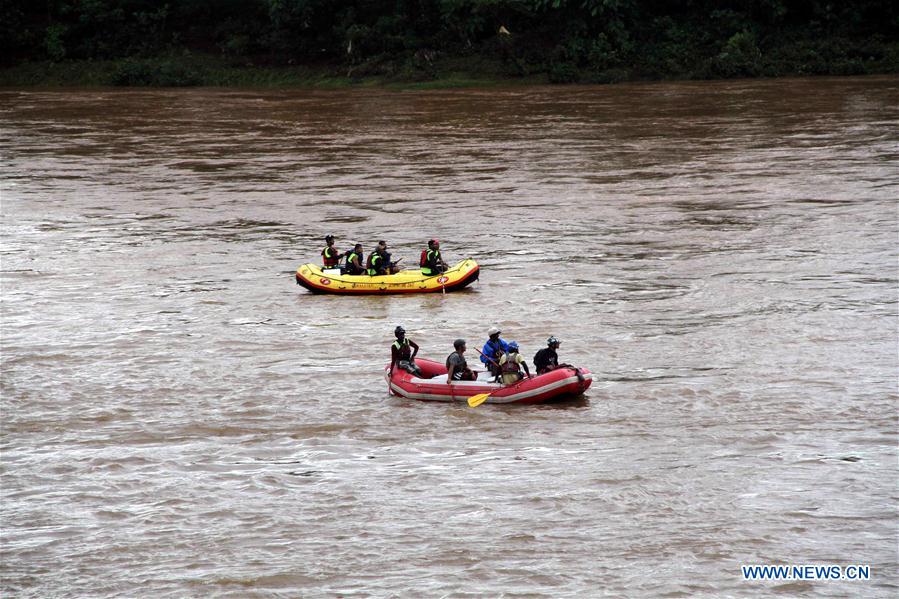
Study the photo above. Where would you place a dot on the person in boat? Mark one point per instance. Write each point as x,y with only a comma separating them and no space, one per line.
392,267
431,262
493,350
403,352
547,360
511,364
354,261
456,367
378,262
330,255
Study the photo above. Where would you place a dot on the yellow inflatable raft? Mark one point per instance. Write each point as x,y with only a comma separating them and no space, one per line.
326,280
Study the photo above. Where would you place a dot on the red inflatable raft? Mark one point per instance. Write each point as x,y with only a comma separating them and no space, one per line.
432,385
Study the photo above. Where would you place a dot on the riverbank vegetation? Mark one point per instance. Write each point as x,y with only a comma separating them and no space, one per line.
284,43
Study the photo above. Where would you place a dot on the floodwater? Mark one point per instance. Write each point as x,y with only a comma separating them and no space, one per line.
180,419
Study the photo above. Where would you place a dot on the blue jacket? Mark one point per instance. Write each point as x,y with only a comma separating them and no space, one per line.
490,350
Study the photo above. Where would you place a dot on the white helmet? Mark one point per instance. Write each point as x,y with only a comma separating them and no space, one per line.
493,331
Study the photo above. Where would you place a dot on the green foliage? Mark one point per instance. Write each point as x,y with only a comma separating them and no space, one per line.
740,57
608,76
154,73
563,72
421,40
306,30
53,42
15,32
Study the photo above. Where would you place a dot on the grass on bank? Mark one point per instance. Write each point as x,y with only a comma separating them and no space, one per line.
212,72
825,57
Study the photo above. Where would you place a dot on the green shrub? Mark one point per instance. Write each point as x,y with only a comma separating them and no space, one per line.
608,76
53,42
147,73
563,72
600,53
132,73
174,74
740,57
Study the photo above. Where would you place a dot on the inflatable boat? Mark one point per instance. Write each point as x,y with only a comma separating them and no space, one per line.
329,280
432,385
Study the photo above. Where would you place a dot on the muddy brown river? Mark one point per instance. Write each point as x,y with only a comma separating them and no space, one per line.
180,419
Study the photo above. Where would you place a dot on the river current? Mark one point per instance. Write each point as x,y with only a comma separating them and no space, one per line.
179,418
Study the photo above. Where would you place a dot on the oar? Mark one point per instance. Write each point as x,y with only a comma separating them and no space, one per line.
489,358
477,400
442,275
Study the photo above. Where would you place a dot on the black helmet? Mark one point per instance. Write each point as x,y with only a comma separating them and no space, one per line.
399,330
329,238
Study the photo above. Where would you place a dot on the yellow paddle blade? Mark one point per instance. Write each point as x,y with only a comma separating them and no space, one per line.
477,400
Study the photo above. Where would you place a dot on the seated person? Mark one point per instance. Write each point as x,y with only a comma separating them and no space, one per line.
378,261
391,266
354,261
401,355
456,367
511,364
547,360
493,350
431,262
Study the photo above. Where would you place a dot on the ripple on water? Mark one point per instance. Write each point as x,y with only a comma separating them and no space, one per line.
179,416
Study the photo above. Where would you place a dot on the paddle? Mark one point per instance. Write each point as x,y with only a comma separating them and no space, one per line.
443,276
476,400
498,367
489,358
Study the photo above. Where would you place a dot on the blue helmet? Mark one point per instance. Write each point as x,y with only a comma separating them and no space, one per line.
513,345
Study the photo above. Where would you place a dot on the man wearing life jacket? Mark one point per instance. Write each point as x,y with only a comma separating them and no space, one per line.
511,364
431,262
330,255
354,261
493,351
378,261
547,360
401,355
456,367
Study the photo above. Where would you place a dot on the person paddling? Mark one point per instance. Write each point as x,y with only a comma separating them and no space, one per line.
431,262
330,255
456,366
354,261
547,360
511,364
